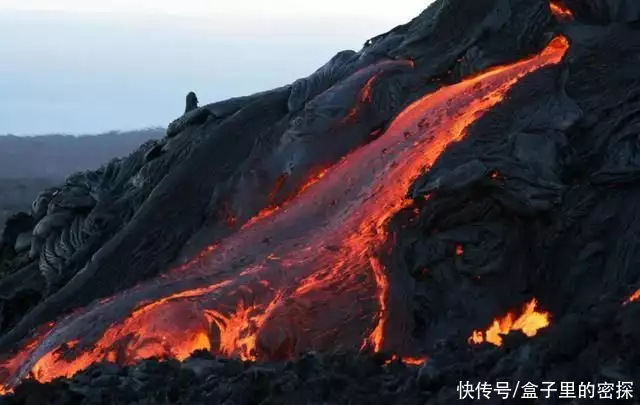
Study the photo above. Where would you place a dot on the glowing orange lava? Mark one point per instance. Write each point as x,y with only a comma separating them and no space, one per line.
238,331
205,252
267,212
365,97
305,276
560,11
375,338
634,297
414,361
409,361
530,322
365,94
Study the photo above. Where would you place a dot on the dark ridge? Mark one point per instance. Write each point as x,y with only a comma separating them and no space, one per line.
537,201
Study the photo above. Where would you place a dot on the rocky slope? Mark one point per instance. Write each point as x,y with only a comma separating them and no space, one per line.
30,164
527,191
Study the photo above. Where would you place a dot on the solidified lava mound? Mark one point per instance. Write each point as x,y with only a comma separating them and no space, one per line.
454,202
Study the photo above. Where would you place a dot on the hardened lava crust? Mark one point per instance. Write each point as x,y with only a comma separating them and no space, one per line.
454,203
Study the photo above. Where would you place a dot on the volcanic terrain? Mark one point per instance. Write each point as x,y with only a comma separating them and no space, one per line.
454,202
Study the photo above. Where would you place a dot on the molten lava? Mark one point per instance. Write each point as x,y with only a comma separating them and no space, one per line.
634,297
409,361
560,11
366,95
529,322
305,276
238,331
266,212
376,336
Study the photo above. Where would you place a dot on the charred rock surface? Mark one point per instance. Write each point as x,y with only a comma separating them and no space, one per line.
533,198
204,379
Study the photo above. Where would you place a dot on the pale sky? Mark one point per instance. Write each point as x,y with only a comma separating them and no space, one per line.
86,66
402,10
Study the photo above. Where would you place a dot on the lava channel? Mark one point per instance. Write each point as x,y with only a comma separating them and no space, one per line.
307,277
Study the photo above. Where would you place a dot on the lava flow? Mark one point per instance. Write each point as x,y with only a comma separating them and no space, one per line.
306,277
560,11
410,361
530,322
634,297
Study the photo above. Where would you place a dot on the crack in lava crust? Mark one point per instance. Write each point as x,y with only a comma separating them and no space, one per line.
307,277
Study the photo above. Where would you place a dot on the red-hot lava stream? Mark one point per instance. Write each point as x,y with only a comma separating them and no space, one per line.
306,277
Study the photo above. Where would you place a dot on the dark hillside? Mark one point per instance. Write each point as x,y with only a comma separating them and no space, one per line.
57,156
31,164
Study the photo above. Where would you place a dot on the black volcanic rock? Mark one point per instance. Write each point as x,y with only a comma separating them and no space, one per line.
606,11
191,102
334,378
538,200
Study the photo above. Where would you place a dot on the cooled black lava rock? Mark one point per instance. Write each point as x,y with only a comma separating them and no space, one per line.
538,200
314,379
191,102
